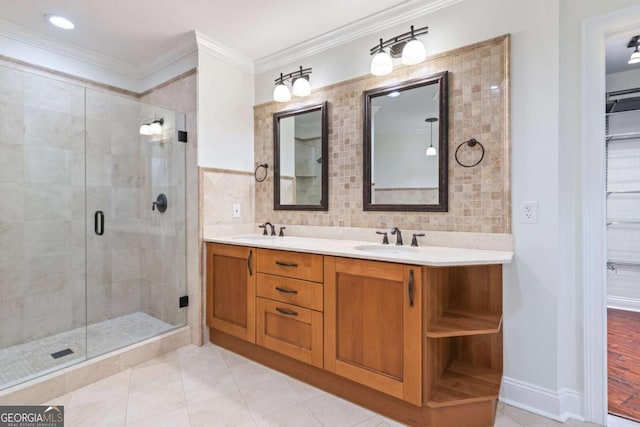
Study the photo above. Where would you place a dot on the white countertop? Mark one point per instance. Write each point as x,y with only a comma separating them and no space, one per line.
424,255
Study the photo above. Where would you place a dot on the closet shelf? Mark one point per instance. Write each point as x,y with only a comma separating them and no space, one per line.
615,265
623,192
623,223
622,136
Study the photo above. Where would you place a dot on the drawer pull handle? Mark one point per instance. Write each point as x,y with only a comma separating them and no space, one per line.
286,264
287,312
286,291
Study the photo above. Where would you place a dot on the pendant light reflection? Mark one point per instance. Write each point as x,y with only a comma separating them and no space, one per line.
431,150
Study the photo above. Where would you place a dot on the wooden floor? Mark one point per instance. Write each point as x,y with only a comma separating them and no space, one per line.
624,363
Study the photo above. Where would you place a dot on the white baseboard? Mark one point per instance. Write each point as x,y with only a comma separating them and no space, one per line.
622,303
558,405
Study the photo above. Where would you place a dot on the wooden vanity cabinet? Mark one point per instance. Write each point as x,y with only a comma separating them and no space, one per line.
419,344
373,325
231,290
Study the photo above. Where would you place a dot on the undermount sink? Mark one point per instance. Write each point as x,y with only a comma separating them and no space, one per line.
386,249
256,237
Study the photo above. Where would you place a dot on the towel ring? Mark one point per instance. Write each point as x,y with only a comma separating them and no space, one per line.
266,171
471,143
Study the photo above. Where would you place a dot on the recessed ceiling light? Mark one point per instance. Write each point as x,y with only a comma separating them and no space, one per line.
60,21
393,94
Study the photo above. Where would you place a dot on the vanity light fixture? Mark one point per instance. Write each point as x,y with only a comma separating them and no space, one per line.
406,45
59,21
635,56
431,150
152,128
299,82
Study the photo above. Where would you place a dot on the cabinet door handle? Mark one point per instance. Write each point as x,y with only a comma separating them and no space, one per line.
410,288
286,291
249,263
286,264
287,312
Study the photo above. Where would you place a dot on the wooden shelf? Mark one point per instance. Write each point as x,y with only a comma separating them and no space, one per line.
463,300
460,322
463,369
464,382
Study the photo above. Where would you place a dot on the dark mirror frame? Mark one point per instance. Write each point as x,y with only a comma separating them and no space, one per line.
443,145
324,202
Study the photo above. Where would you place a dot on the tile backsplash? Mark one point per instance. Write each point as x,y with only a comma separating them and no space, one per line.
479,197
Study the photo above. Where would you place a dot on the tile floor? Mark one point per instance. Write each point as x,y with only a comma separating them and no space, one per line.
26,361
209,386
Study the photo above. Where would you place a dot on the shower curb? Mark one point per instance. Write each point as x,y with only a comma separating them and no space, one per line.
50,386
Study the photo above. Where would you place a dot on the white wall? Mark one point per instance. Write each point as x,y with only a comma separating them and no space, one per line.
225,114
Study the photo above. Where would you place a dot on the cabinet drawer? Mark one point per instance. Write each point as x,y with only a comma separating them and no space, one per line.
290,330
292,291
291,264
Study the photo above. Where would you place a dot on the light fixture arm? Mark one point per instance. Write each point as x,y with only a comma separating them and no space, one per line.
302,72
410,35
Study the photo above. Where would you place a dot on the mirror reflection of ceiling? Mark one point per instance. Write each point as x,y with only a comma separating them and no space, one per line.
407,111
308,125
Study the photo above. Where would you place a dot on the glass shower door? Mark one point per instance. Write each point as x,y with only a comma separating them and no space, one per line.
136,250
42,223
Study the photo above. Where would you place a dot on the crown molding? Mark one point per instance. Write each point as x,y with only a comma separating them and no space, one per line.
369,25
32,38
182,48
223,53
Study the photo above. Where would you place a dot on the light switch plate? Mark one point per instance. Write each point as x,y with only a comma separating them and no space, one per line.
236,210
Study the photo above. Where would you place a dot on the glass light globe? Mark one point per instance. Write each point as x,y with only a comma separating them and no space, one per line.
145,130
431,151
281,93
301,87
155,128
635,57
413,53
381,64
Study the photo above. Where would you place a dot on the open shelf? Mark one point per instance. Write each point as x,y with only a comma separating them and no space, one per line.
464,370
464,300
461,321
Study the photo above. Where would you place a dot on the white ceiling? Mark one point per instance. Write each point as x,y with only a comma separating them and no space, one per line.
137,31
617,52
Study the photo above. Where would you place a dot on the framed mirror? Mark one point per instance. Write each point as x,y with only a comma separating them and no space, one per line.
405,147
301,159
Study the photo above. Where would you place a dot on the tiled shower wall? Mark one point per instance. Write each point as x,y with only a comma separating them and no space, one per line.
42,208
42,216
479,198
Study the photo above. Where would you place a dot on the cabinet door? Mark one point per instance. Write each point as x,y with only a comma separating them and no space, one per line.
231,290
373,323
290,330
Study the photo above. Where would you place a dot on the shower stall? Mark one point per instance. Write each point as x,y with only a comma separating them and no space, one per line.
88,262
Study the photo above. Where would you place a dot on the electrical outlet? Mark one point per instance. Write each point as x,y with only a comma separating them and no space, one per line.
529,212
236,210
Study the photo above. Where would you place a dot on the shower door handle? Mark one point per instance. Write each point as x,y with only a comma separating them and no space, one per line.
98,223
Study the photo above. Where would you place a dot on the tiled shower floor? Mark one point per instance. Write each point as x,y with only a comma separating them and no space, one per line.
26,361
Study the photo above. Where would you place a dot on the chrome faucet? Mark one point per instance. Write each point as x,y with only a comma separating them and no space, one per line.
265,226
396,231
